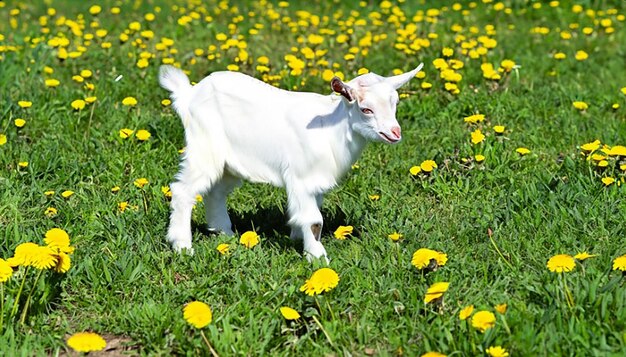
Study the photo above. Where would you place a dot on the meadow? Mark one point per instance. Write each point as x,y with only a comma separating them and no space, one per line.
511,172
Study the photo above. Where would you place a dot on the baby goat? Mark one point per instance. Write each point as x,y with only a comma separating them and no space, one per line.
237,127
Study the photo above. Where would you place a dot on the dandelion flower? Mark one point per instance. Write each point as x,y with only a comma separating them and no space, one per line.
198,314
24,255
428,165
507,65
63,263
22,164
561,263
5,270
435,291
3,139
86,342
395,236
522,151
78,104
425,257
374,197
497,351
289,313
57,238
67,193
322,280
95,9
44,258
617,150
51,83
141,182
249,239
19,122
166,102
122,206
414,170
584,255
466,312
223,248
473,119
501,308
479,158
142,135
343,231
50,212
477,136
25,104
580,105
581,55
125,133
433,354
619,263
483,320
590,147
129,101
499,129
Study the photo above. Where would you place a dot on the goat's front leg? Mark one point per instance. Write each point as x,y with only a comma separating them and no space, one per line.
306,222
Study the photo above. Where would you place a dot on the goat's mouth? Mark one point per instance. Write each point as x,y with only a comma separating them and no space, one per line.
387,138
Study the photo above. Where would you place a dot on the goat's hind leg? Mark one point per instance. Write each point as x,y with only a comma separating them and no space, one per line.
215,204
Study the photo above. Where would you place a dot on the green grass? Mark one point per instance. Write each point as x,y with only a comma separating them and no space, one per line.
126,284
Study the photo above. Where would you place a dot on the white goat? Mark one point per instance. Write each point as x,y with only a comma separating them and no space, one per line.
237,127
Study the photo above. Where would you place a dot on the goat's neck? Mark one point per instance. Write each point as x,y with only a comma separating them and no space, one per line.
346,143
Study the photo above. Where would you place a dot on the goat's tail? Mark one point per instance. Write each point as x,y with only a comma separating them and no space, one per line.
176,81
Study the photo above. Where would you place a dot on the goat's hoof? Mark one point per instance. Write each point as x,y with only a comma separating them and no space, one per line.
182,248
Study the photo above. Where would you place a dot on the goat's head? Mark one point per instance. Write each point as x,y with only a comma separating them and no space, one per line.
373,99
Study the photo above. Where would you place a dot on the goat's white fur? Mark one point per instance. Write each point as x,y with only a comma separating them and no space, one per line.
237,127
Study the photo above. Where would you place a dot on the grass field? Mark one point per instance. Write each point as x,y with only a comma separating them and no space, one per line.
499,215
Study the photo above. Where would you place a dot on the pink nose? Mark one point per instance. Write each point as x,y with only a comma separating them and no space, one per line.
396,131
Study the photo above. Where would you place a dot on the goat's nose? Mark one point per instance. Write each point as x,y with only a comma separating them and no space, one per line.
396,131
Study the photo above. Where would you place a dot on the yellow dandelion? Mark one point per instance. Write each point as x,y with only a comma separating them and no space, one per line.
497,351
322,280
428,165
58,239
166,102
3,139
580,105
395,236
22,164
477,136
522,151
141,182
499,129
584,255
6,271
289,313
63,263
50,212
479,158
466,312
142,135
414,170
125,133
435,291
198,314
581,55
44,258
501,308
619,263
433,354
95,9
343,231
25,254
249,239
51,83
67,193
129,101
78,104
25,104
115,189
86,342
473,119
19,122
223,248
561,263
483,320
122,206
426,258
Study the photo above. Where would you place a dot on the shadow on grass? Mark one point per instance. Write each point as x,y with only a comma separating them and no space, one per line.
271,222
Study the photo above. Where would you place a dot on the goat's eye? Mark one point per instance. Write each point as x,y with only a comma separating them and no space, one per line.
367,111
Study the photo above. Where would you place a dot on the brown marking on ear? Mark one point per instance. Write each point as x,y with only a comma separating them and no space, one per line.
316,228
338,86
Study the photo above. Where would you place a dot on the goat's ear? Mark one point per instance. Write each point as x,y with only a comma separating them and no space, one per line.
399,80
338,86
